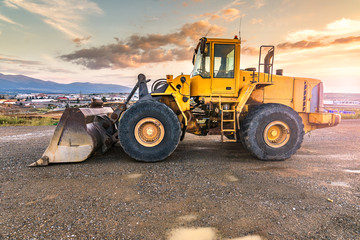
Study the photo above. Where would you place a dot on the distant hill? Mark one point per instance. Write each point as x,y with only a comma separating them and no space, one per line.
10,84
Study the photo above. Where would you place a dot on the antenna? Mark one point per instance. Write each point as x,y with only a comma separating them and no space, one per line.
240,36
240,28
208,32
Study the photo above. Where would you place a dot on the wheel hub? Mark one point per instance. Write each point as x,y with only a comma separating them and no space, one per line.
276,134
149,132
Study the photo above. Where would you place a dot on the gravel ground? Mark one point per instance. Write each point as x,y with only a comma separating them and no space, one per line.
206,189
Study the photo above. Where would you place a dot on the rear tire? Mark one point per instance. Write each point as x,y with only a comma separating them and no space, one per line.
272,132
149,131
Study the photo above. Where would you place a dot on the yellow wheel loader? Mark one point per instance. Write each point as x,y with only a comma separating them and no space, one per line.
267,113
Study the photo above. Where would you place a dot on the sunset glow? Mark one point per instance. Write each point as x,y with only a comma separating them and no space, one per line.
113,41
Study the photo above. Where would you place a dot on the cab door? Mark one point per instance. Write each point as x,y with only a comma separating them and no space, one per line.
223,69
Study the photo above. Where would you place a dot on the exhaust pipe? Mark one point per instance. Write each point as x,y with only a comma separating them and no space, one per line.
267,59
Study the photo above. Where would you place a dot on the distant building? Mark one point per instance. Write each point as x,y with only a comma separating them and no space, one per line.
42,100
41,96
342,101
62,99
10,102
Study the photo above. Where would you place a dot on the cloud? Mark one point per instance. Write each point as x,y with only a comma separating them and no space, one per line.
256,21
251,51
56,70
14,64
185,4
228,14
10,4
259,3
79,41
210,16
138,50
8,20
10,60
334,33
339,27
330,54
65,15
319,43
300,44
347,40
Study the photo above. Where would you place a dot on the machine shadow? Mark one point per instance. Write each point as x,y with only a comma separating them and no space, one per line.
187,151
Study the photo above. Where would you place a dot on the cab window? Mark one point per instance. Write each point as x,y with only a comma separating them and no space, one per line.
224,60
202,63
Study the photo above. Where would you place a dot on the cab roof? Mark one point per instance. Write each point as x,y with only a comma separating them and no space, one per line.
225,40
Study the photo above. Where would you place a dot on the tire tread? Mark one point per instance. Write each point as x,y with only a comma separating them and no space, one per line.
249,122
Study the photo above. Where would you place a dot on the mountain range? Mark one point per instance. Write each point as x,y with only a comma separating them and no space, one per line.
10,84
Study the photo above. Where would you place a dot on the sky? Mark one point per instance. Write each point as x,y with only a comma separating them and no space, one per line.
112,41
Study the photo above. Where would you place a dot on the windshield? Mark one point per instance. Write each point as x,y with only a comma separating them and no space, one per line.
202,64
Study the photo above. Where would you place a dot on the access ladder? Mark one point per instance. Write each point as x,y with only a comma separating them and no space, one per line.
232,120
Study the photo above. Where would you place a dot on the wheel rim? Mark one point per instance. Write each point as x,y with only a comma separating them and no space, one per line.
149,132
276,134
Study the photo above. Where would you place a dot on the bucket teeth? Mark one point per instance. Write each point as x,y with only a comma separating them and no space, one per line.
43,161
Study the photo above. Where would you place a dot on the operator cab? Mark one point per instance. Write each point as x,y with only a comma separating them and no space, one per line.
216,67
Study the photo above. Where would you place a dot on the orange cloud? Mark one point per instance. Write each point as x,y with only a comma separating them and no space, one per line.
138,50
230,11
304,44
256,21
300,44
250,51
347,40
259,3
185,4
229,14
317,43
334,29
79,41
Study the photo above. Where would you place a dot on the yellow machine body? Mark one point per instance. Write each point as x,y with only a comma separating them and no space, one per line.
247,88
268,113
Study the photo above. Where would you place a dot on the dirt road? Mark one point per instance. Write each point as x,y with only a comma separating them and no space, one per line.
206,189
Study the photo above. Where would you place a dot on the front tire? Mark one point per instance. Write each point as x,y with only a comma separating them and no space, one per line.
149,131
272,132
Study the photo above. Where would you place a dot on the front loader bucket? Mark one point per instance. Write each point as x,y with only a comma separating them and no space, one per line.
79,133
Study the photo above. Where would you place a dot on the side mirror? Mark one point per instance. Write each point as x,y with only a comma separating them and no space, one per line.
203,47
